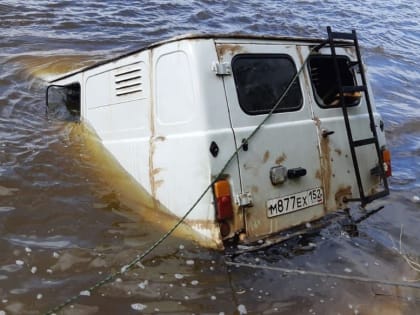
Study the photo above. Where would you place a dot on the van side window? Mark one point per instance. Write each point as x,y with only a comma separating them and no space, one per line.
324,82
63,101
262,79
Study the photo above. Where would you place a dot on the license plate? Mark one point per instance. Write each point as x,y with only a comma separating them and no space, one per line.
295,202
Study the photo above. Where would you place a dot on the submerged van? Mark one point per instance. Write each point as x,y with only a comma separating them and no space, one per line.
283,129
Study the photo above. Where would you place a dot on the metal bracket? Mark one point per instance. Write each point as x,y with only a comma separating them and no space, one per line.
244,199
221,68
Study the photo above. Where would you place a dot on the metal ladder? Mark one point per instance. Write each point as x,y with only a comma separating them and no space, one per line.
351,40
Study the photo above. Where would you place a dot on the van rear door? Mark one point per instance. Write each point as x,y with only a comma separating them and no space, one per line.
280,167
336,160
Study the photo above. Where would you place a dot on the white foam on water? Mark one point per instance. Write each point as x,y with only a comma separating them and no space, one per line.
7,209
84,293
179,276
242,309
138,306
142,285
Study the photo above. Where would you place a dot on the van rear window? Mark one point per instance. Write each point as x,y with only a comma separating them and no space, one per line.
324,81
262,79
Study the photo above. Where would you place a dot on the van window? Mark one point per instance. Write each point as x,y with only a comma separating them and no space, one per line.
262,79
63,101
324,81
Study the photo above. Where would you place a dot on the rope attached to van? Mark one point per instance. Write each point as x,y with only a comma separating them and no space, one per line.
140,257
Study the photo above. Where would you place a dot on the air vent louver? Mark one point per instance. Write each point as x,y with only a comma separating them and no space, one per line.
128,80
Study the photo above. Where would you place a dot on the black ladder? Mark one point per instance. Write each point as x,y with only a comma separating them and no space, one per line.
351,40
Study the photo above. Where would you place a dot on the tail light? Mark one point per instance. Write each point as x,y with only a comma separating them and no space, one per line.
222,194
386,157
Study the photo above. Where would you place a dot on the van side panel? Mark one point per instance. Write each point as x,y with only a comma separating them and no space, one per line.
117,103
190,112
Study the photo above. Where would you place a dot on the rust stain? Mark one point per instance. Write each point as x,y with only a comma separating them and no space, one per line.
281,159
153,186
159,183
160,138
223,49
317,122
156,171
266,156
255,189
318,175
299,52
342,192
326,169
151,168
375,189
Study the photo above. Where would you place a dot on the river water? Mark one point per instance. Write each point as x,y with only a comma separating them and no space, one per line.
69,216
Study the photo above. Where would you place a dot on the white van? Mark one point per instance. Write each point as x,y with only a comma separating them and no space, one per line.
174,113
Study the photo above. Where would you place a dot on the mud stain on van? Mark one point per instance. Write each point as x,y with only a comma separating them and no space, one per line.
154,183
326,170
223,49
160,138
281,159
152,134
156,171
341,194
266,156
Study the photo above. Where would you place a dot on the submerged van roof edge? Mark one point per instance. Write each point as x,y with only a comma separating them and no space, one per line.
189,36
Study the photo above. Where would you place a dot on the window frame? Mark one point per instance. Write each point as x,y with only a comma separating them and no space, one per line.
316,97
263,56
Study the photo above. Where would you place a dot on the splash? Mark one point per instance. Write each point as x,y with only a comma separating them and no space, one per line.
46,67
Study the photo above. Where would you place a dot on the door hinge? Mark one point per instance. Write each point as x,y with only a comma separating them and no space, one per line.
221,68
244,199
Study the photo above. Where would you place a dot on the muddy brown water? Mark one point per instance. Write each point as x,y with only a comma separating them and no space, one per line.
69,215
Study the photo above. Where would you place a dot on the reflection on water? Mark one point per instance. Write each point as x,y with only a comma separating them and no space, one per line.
69,216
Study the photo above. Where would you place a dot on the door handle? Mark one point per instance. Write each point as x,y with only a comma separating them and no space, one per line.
296,172
326,132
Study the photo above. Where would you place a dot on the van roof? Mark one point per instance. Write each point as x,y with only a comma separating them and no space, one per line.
192,37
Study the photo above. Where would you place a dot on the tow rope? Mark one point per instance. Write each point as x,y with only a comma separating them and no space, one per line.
140,257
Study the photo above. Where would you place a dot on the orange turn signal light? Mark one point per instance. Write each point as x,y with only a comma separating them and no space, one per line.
224,209
386,157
